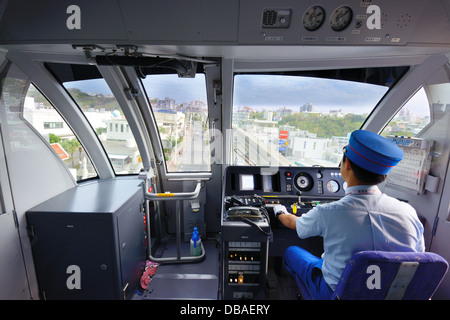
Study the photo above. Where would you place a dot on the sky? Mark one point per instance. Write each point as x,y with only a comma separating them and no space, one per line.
158,86
180,89
269,91
90,86
293,92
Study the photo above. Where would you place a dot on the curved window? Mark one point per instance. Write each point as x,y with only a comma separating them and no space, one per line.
412,117
38,111
105,115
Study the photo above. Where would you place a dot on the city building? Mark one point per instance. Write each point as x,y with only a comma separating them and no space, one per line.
308,107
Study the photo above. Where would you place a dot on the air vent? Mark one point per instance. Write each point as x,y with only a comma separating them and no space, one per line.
269,18
276,18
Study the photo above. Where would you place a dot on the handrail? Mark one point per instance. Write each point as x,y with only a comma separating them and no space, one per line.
165,196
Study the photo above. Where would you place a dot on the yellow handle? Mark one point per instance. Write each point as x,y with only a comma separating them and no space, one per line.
165,194
294,208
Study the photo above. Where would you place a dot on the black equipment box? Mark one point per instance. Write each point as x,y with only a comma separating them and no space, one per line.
245,257
89,242
245,234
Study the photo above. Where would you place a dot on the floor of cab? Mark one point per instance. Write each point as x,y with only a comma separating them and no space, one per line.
200,280
193,280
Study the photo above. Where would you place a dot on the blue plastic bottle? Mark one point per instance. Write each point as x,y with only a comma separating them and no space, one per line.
196,243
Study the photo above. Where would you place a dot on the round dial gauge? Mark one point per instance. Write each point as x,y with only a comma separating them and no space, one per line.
333,186
313,18
341,18
303,181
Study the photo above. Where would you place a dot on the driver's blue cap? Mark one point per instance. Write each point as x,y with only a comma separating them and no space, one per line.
373,152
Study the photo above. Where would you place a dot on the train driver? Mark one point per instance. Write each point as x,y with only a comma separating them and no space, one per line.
364,219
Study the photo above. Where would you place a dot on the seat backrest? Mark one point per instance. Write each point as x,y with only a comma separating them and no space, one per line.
381,275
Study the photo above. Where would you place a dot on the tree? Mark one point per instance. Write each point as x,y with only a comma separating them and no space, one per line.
324,126
53,138
70,146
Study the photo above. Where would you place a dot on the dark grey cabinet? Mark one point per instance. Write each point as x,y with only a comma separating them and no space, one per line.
89,241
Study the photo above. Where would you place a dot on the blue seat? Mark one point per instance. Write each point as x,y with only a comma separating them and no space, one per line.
381,275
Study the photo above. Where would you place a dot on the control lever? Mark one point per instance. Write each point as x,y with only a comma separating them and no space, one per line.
237,200
299,193
294,208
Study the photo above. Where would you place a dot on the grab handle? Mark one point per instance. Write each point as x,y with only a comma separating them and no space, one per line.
165,196
178,197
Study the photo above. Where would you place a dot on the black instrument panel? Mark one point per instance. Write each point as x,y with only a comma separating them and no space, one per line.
315,182
252,189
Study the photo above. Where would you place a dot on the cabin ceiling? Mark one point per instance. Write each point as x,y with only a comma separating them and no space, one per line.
229,29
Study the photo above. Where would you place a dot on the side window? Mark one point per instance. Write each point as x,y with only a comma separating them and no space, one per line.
106,117
38,111
412,117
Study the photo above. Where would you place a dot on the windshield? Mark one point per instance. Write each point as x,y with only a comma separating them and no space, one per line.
297,120
181,112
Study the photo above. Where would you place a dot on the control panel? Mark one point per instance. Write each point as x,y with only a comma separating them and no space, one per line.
310,182
330,22
248,222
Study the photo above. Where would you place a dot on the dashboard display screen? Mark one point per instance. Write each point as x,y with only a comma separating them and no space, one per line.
246,182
